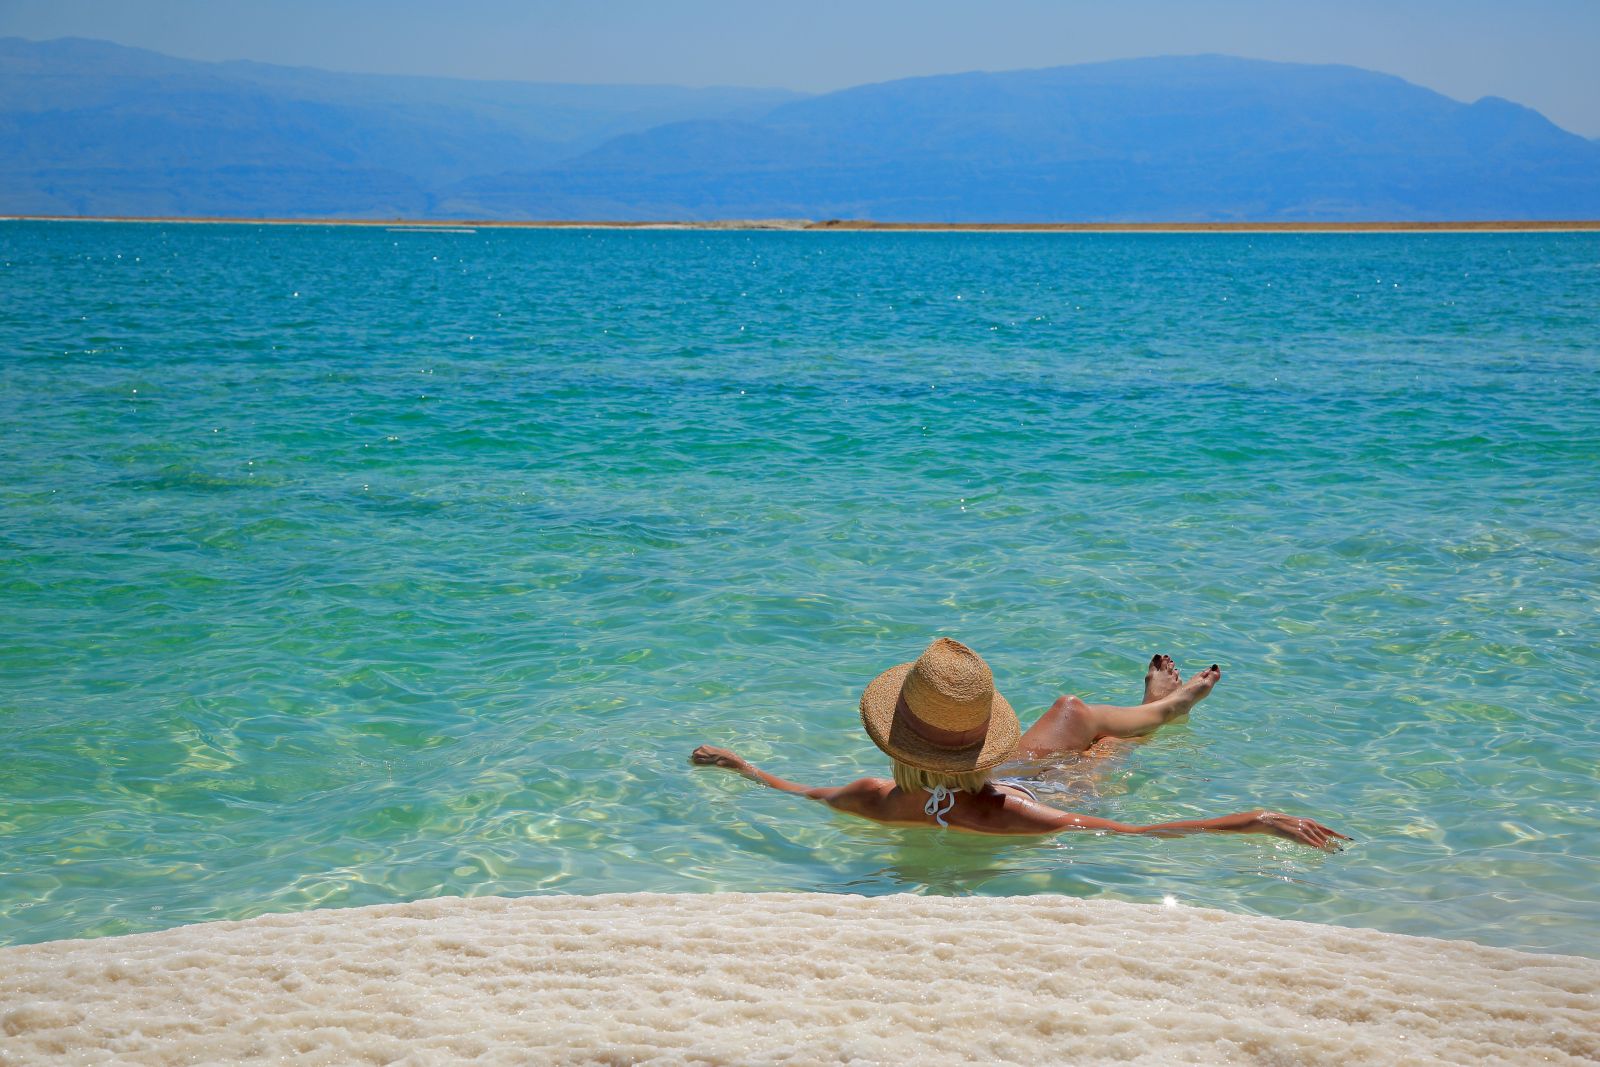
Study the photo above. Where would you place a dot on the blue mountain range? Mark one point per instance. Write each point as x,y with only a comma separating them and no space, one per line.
91,128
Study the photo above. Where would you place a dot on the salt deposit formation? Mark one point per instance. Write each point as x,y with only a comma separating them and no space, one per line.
801,978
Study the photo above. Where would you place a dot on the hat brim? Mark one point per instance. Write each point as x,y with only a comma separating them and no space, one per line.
902,743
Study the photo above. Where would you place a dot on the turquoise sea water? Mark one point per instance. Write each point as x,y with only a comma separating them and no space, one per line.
342,566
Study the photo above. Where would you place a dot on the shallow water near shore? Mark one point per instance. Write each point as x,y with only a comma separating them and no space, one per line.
343,567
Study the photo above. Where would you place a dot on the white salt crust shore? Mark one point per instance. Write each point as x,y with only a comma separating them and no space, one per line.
789,978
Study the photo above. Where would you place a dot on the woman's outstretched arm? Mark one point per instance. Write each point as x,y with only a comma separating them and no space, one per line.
711,756
1306,831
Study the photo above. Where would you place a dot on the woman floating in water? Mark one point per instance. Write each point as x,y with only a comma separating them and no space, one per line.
945,728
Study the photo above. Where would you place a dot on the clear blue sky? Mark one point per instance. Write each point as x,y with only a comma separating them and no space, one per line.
1542,53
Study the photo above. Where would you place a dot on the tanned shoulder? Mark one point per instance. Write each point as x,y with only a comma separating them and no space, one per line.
864,796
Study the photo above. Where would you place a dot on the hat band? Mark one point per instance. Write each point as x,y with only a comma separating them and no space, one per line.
938,735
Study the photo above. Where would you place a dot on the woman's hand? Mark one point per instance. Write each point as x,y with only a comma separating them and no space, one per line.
1306,831
711,756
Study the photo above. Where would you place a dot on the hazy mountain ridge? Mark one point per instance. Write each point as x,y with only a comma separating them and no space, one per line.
1191,138
88,127
1178,138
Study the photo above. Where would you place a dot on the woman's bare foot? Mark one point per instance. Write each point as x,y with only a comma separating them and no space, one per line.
1160,678
1192,692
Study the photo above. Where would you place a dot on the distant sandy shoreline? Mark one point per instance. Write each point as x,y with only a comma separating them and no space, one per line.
864,225
798,978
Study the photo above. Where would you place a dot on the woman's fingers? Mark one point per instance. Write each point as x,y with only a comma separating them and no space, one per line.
1322,836
1306,831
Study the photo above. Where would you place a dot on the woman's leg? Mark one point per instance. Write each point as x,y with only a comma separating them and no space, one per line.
1066,727
1072,726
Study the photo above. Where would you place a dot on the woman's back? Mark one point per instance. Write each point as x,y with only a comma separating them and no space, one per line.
1004,809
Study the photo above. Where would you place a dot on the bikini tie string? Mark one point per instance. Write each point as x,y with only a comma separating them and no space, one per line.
938,795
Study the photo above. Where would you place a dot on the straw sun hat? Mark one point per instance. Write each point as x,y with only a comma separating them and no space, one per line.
941,713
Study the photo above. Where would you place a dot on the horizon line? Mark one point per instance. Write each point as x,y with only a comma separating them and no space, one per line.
861,225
